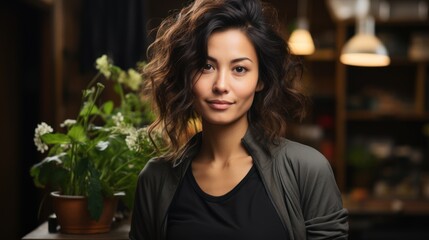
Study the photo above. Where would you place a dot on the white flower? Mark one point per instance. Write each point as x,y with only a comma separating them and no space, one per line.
135,139
102,145
118,119
88,92
122,78
68,123
103,65
132,141
134,79
40,130
56,158
120,126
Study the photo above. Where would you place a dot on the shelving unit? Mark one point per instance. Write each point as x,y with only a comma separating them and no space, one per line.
380,117
383,109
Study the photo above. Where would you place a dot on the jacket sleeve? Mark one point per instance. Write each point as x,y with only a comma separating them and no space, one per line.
320,198
142,219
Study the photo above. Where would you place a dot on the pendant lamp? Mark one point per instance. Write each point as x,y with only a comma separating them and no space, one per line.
300,41
364,48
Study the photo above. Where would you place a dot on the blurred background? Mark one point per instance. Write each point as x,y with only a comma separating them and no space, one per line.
369,116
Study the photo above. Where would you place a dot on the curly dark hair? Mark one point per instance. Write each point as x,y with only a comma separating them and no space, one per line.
179,52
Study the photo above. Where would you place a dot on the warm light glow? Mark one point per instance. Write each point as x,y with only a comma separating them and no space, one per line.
365,59
365,50
301,43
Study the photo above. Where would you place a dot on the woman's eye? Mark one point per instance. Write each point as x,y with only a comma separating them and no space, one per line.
207,67
240,69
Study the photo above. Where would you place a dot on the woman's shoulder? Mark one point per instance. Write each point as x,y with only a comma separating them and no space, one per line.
164,167
300,155
155,168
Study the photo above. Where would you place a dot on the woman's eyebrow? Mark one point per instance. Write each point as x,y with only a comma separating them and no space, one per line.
241,59
233,61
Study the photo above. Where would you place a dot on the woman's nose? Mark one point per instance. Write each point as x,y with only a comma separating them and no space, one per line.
220,84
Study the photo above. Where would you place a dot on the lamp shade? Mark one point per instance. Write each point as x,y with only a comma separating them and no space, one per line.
300,41
364,48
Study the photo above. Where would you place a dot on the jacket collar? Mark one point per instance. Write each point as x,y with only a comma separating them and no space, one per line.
260,156
254,148
181,164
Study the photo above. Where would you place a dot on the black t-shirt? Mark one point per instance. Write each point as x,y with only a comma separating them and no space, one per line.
246,212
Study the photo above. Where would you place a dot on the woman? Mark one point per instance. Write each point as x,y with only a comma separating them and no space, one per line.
221,61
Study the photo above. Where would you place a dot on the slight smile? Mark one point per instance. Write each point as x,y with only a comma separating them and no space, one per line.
219,104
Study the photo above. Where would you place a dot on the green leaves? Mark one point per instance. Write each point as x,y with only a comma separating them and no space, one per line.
108,107
55,138
95,196
50,172
89,109
77,134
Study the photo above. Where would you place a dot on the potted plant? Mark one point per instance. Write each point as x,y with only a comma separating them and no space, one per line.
101,152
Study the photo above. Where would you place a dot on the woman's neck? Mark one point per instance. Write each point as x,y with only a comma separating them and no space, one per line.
222,143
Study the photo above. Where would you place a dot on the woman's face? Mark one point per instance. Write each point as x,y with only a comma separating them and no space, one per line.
225,89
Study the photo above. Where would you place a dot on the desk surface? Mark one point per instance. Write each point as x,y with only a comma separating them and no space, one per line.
119,231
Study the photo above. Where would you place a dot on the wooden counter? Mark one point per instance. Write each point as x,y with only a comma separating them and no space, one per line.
119,232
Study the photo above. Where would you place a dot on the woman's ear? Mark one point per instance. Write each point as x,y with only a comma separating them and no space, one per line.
259,86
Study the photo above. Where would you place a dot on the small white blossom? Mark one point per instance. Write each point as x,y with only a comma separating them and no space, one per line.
131,78
122,78
103,65
88,92
135,139
118,119
134,79
102,145
68,123
132,141
40,130
56,158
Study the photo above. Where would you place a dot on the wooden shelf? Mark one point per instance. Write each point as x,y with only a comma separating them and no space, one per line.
389,22
378,206
380,116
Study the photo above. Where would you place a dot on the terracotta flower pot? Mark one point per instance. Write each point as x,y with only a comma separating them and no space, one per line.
73,215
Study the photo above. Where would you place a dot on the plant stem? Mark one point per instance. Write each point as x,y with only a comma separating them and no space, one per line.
72,169
121,94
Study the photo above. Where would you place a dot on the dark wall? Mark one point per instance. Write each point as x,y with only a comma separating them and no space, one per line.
19,75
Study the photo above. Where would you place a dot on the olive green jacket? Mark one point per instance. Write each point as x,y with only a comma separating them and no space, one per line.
298,179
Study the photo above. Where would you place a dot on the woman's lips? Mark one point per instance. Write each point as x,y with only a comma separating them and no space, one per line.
219,104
